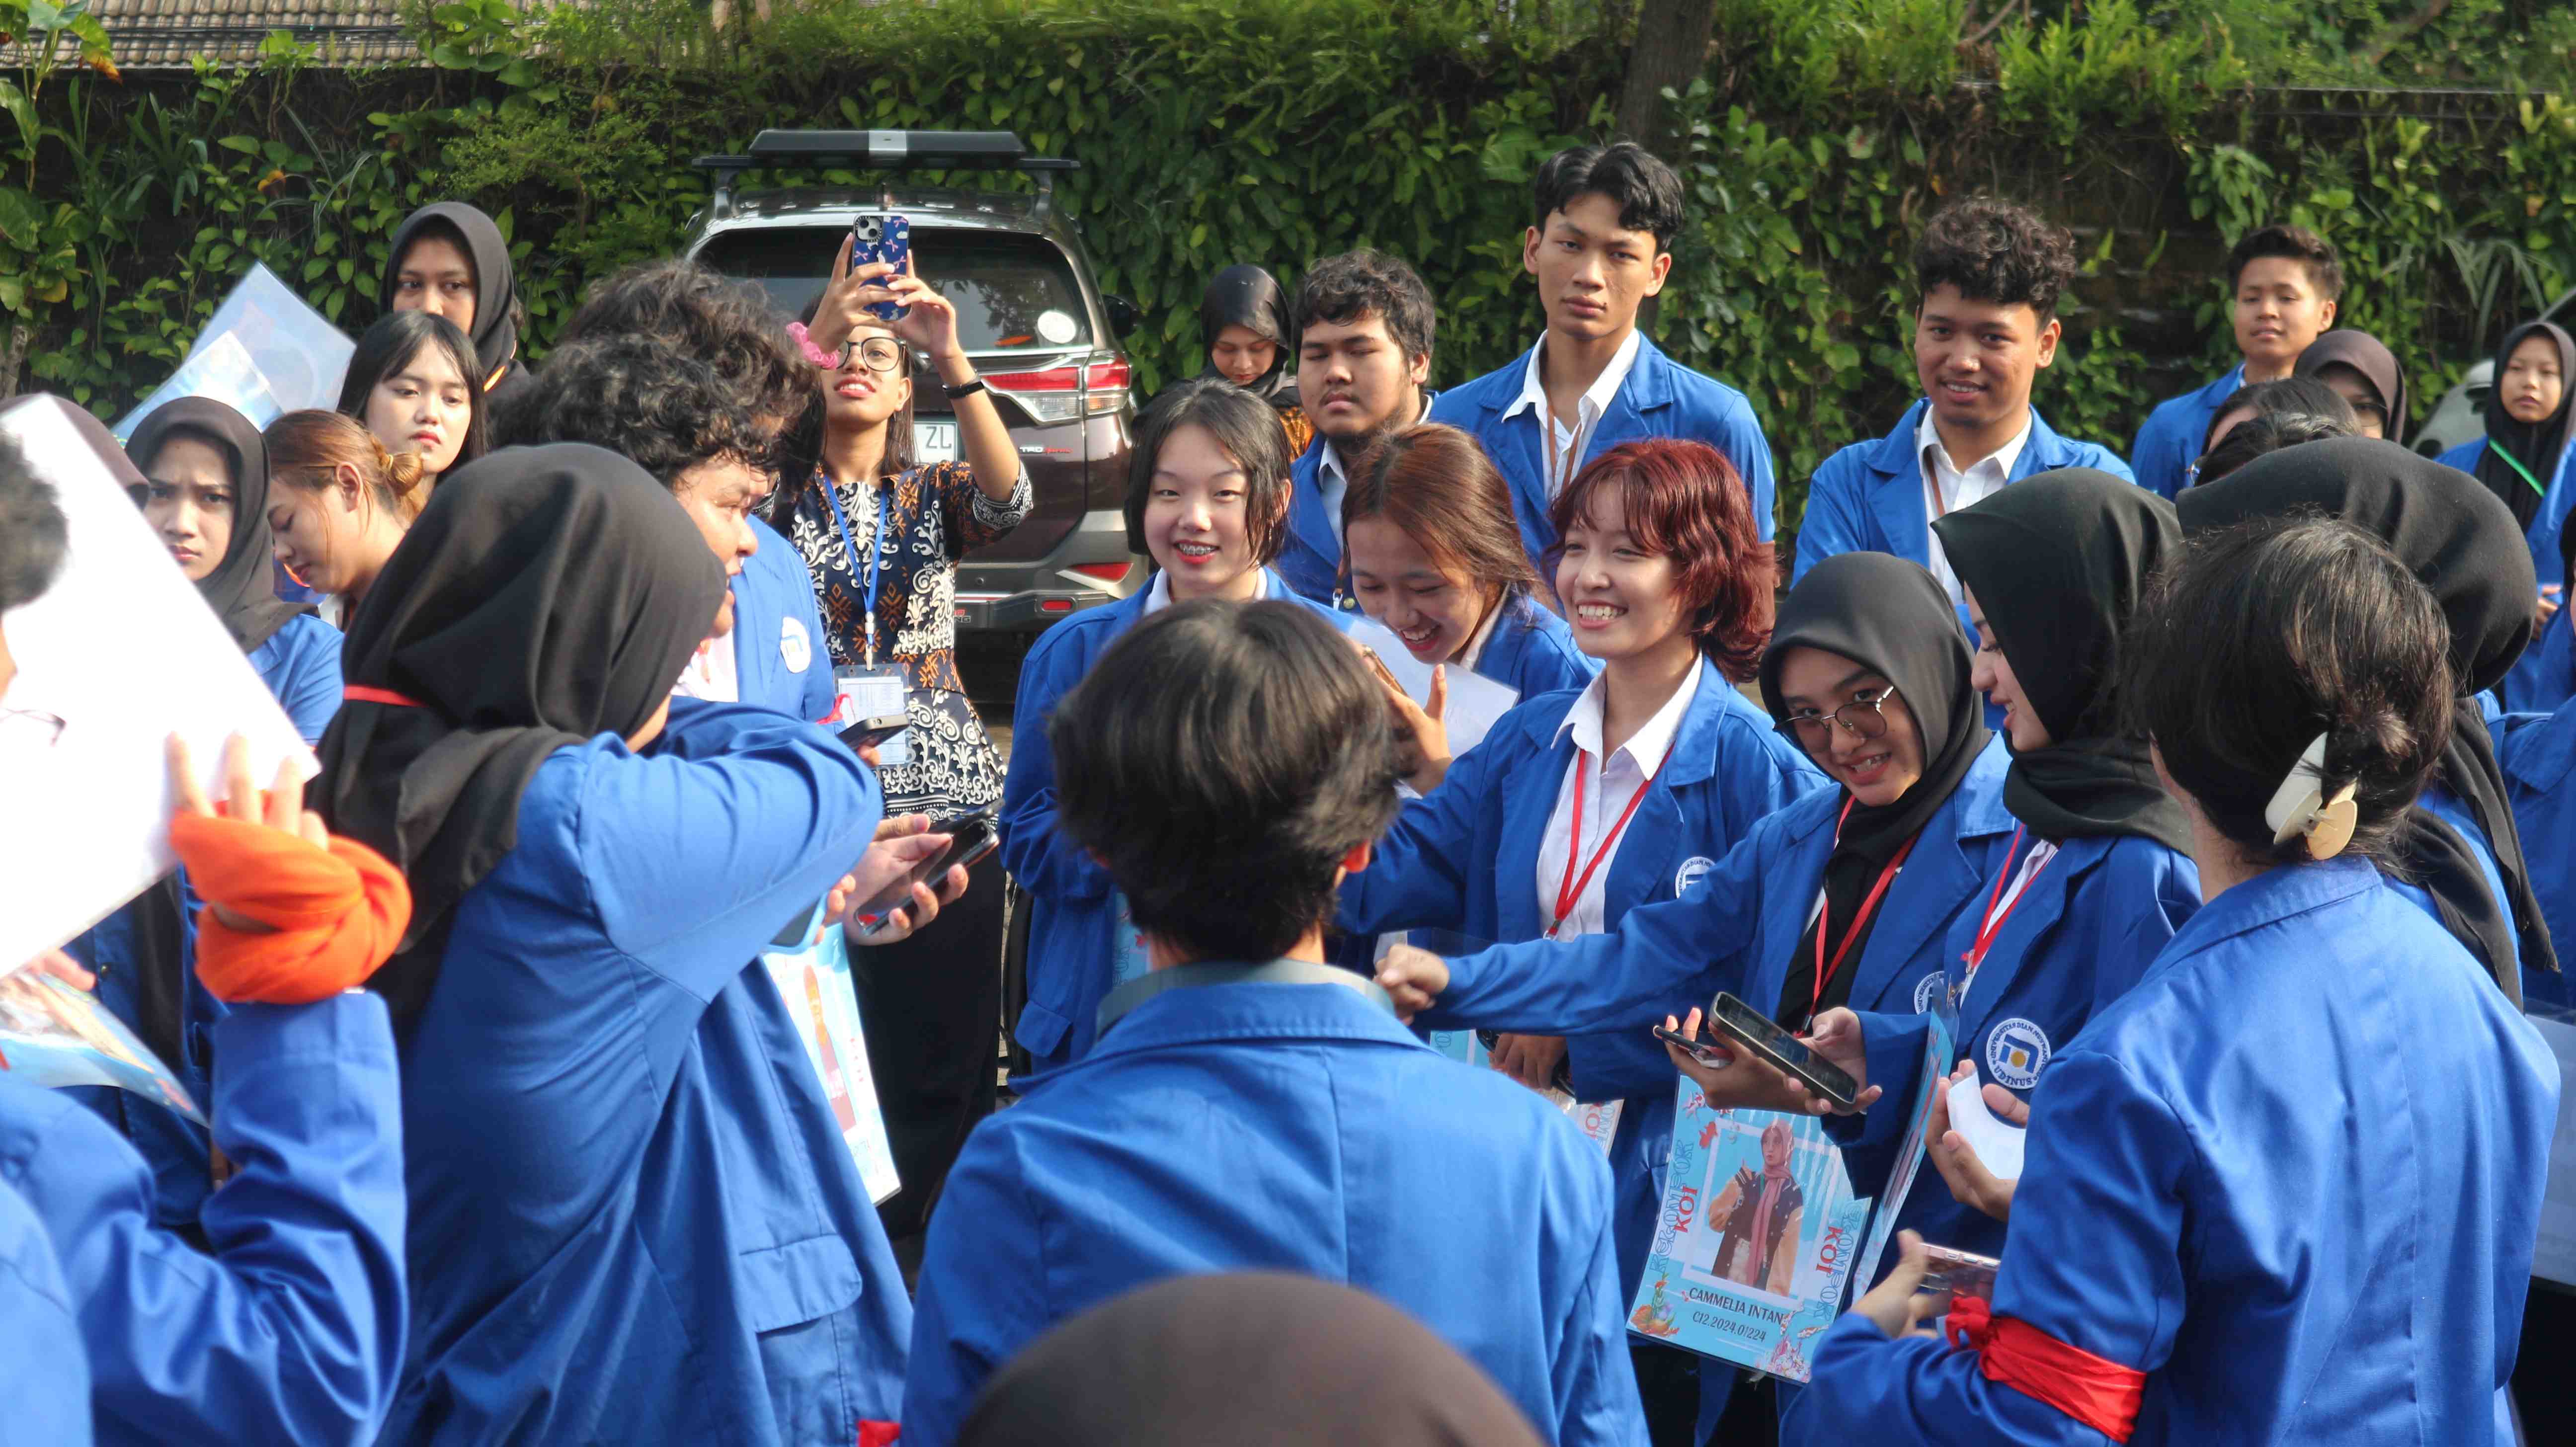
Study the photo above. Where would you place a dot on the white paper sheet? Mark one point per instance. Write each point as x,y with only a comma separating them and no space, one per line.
814,981
1475,701
1998,1145
2554,1256
263,353
124,651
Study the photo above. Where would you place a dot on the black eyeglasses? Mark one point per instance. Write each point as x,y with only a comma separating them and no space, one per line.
882,354
31,723
1865,716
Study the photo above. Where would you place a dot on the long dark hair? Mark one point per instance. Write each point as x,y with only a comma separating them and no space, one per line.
391,344
800,448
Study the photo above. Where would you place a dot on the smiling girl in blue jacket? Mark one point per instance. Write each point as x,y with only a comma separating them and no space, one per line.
1582,805
1207,499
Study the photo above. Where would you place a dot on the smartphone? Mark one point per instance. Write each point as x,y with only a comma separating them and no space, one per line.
1960,1273
1759,1034
1700,1050
870,731
970,838
882,238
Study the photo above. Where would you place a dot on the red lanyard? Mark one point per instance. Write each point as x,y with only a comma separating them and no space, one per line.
1994,923
1868,907
1570,888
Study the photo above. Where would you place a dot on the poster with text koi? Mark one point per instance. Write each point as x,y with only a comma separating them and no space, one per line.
1756,1239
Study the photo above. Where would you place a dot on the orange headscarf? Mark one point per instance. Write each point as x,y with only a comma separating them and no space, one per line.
336,915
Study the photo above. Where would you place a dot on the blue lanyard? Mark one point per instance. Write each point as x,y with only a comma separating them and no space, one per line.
876,555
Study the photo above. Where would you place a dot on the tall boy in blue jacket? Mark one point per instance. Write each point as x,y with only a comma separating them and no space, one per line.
1988,274
1249,1107
1607,216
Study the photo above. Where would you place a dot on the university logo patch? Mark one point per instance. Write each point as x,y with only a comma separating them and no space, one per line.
1928,989
793,645
1690,872
2015,1053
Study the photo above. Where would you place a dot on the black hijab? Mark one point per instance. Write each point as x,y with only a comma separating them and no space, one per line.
1247,296
2365,354
2059,563
1890,615
2534,445
1256,1359
241,589
2459,539
545,596
496,287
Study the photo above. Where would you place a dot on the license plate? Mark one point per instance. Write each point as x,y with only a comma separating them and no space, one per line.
934,442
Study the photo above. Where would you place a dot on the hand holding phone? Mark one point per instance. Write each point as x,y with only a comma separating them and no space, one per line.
868,733
969,840
1772,1071
886,239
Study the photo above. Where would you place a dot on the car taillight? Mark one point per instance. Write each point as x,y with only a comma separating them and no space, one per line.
1105,572
1052,395
1109,385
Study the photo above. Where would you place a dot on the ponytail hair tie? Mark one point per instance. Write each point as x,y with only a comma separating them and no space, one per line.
2300,806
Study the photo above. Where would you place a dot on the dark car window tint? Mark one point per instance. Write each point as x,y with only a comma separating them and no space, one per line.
1011,291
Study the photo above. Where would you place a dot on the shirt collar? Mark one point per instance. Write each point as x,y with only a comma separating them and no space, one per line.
1649,745
1927,446
1596,398
1159,596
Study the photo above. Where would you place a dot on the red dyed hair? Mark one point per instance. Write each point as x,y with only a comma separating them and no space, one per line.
1684,501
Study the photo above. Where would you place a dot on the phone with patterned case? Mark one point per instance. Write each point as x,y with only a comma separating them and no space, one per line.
882,238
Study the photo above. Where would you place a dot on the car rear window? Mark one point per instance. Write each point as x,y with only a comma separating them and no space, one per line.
1011,291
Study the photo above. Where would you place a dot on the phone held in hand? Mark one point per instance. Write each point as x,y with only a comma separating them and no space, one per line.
1700,1050
887,239
970,839
1758,1033
869,732
1961,1273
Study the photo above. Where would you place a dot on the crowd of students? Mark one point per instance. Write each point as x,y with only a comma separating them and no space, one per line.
2215,793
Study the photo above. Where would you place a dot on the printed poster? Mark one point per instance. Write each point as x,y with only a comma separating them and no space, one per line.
814,981
1756,1239
1909,1155
263,353
53,1035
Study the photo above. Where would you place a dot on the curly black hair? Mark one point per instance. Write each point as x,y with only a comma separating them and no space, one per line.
640,397
728,324
1995,251
1647,193
1366,283
34,535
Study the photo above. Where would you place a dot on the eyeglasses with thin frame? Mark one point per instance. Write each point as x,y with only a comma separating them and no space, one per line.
33,722
1865,716
882,354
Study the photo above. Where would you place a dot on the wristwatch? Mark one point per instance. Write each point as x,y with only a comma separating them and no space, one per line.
963,389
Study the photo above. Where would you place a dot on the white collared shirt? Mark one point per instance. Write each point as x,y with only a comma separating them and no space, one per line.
1159,596
1948,488
1333,485
711,673
1606,792
1565,445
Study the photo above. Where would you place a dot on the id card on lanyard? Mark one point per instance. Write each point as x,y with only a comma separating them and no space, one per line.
869,689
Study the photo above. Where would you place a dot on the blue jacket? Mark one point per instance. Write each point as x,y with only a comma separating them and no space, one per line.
1074,917
2539,681
780,662
1532,651
1283,1127
292,1331
300,663
2229,1190
1659,398
2171,440
2440,802
1868,498
44,1371
633,1215
1752,906
1465,858
2536,752
2081,935
1311,557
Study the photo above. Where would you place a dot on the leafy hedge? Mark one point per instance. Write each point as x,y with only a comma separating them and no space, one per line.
1214,131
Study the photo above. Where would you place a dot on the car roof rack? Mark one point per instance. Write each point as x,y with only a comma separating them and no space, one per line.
892,152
